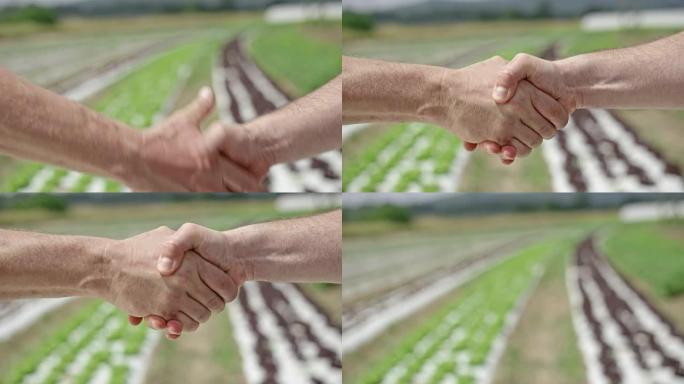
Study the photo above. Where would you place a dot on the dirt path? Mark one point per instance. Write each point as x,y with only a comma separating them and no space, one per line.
243,92
623,338
543,348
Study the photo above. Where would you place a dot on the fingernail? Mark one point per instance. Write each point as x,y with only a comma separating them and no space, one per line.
499,92
205,93
165,264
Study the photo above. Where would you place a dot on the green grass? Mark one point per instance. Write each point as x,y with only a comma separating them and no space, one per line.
292,56
640,250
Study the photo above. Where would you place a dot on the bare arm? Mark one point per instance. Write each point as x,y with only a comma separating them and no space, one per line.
645,76
297,250
40,125
39,265
306,127
377,90
307,249
37,124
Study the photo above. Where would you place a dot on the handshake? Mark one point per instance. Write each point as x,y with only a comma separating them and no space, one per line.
176,280
508,108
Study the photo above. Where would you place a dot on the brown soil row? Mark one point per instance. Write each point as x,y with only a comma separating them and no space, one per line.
233,57
297,330
638,338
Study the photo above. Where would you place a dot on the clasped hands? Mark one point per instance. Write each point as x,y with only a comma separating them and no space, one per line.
174,279
514,105
176,155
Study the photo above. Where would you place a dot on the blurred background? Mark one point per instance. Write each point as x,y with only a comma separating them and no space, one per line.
600,151
513,288
258,338
139,61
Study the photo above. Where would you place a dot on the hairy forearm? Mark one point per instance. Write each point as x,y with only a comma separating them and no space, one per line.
39,125
298,250
40,265
645,76
306,127
376,90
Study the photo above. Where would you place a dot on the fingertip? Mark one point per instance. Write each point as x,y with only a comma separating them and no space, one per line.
134,320
508,152
469,146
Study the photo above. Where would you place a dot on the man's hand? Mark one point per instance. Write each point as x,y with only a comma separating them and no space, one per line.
243,146
543,74
197,289
529,117
211,245
176,156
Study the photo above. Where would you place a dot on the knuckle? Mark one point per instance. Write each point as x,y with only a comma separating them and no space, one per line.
522,57
216,304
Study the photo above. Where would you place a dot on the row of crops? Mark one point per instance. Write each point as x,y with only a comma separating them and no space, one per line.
139,99
410,157
459,344
96,344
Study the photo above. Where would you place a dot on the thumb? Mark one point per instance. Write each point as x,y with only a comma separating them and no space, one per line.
185,239
199,108
507,80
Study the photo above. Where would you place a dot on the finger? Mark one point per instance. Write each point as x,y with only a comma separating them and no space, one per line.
223,284
550,109
174,327
534,119
507,80
188,323
201,291
188,237
134,320
192,307
527,135
491,147
469,146
521,149
155,322
199,108
238,179
508,153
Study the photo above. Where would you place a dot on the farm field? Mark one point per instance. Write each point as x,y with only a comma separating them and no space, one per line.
88,341
515,303
599,150
139,74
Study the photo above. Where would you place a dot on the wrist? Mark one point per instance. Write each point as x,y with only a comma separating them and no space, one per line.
570,72
97,281
436,93
246,246
131,157
270,144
